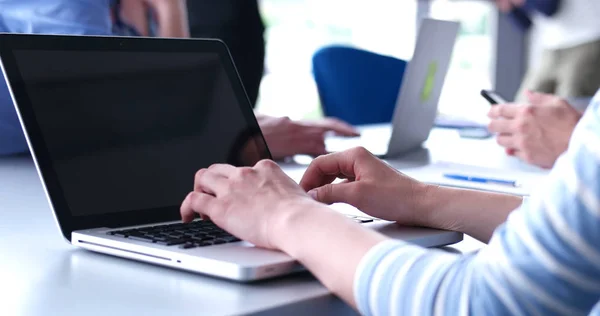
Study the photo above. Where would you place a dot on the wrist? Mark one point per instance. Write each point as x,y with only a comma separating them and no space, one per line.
425,204
472,212
295,222
435,207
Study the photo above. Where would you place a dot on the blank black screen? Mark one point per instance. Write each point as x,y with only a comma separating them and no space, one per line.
128,130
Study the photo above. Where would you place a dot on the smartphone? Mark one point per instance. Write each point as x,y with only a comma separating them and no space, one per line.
492,97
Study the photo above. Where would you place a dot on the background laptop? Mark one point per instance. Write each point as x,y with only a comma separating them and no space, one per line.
417,104
119,126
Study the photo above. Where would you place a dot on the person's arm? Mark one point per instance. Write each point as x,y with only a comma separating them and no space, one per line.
538,132
474,213
381,191
171,17
545,260
286,137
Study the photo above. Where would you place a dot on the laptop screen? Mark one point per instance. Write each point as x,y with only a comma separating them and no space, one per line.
127,130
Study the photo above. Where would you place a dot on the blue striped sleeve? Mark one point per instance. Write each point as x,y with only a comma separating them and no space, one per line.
545,260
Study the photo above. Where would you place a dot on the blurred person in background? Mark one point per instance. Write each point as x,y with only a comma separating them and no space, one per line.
131,17
170,16
542,255
570,37
83,17
239,25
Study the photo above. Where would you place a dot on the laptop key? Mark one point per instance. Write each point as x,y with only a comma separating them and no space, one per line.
202,232
141,238
187,246
201,239
175,236
171,242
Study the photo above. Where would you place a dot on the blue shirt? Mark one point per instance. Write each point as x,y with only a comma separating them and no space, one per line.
77,17
522,15
545,260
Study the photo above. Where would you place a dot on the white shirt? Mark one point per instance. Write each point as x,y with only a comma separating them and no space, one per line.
577,22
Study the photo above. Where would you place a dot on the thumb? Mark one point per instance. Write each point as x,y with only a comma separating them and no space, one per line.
333,193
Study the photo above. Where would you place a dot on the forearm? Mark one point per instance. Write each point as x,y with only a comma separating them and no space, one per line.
135,14
369,271
474,213
172,18
327,244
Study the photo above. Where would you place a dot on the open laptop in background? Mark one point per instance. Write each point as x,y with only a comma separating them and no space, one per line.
118,127
417,104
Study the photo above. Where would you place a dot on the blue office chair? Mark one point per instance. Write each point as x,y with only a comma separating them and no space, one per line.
357,86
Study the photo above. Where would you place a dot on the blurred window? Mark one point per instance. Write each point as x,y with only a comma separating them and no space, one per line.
296,29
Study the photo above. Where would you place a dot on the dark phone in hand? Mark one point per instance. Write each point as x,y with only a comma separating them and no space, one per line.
492,97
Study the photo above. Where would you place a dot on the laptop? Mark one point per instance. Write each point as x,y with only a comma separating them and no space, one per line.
417,103
118,127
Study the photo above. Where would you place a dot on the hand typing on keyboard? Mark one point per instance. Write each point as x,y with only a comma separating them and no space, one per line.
249,202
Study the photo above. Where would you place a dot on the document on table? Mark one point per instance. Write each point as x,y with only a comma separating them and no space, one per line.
434,174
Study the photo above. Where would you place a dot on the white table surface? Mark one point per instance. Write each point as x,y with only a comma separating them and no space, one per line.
40,274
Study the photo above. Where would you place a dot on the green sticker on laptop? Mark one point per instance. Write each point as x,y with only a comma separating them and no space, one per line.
429,82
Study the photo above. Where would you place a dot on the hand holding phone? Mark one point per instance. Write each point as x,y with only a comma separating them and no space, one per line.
492,97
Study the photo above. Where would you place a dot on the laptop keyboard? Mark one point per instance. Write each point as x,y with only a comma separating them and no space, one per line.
191,235
186,236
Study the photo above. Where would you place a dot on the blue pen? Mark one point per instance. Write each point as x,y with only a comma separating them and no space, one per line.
481,180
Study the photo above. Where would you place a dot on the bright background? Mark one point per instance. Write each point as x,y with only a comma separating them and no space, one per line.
296,29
